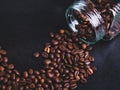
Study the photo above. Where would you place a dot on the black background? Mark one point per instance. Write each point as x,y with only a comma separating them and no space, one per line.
25,26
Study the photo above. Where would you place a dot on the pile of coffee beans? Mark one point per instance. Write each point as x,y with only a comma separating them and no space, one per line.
67,60
66,63
85,28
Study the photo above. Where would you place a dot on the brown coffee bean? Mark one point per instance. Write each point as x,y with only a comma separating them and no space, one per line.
3,52
42,71
42,81
52,35
65,89
62,31
22,82
89,71
11,66
73,86
62,47
49,81
25,74
66,85
2,68
9,88
5,80
94,68
32,85
13,76
29,80
83,80
21,88
30,71
45,55
36,72
5,59
3,87
70,46
17,79
47,61
16,72
47,49
55,42
50,75
36,54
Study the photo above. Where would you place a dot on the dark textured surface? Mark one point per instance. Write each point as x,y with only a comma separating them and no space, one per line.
25,27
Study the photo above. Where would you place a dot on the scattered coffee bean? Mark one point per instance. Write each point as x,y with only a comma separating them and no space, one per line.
36,54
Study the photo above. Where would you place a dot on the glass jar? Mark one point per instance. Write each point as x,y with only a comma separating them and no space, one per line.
85,18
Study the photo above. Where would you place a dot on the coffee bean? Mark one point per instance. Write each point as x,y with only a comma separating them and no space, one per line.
45,54
62,47
25,74
36,72
9,87
52,35
55,42
16,72
50,75
47,61
17,79
62,31
84,46
3,52
42,81
32,85
13,76
5,59
89,71
2,68
30,71
47,49
36,54
10,66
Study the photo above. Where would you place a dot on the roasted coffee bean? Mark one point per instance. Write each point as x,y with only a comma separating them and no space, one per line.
45,54
62,31
22,82
42,81
2,68
52,35
5,59
3,52
16,72
9,88
47,49
10,66
62,47
36,72
55,42
84,46
36,54
25,74
17,79
89,71
32,85
73,86
30,71
47,61
50,75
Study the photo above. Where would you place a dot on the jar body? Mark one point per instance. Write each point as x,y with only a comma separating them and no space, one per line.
83,17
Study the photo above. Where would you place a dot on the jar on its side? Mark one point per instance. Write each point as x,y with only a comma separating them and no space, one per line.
93,22
83,17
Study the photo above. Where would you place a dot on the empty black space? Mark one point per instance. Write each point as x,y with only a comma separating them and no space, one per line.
25,26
